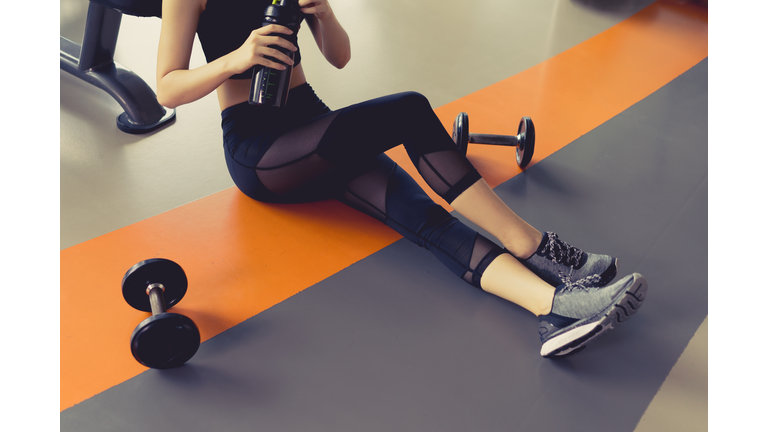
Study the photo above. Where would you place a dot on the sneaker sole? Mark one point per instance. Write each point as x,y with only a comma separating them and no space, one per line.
574,339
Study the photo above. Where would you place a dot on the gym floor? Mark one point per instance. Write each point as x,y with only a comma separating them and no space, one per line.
369,332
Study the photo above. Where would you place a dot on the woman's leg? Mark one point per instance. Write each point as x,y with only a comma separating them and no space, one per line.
387,193
365,130
307,164
482,206
324,157
570,315
341,141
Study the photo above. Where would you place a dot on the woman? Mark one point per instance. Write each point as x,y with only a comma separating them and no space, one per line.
305,151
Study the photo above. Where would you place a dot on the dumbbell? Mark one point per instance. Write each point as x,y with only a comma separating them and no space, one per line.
524,140
164,340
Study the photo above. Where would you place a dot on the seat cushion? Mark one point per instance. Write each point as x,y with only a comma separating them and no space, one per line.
143,8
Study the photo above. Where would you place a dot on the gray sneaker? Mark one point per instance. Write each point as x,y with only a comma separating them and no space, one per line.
582,312
557,262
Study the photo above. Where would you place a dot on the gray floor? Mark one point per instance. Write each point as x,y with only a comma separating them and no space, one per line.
448,358
371,349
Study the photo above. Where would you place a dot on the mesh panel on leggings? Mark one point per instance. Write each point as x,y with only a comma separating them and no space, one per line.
448,173
390,195
368,193
480,252
365,130
291,162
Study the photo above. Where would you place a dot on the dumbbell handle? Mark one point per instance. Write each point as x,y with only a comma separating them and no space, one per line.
156,298
506,140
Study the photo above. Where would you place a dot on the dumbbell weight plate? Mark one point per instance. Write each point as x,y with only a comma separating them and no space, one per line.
526,143
165,340
461,132
156,270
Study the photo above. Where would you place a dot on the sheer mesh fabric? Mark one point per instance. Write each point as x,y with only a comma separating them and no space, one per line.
484,252
310,152
390,195
368,194
340,155
448,173
368,129
291,162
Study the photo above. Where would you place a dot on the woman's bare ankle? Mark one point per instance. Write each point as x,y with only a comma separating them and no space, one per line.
523,247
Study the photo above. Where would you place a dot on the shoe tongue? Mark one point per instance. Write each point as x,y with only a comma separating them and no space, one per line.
561,251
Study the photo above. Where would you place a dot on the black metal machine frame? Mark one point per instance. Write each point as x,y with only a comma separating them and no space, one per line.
93,62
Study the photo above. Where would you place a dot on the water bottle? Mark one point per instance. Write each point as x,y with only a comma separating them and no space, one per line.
269,87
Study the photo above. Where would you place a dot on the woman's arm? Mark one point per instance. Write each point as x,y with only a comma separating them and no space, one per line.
330,36
177,84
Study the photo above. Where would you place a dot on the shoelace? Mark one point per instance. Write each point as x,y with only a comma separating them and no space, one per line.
561,252
585,283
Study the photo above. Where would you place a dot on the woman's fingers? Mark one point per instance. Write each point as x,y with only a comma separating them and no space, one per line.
267,43
279,41
273,28
317,8
277,55
272,47
267,36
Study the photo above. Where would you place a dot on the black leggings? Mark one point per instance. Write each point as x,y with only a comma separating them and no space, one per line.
306,152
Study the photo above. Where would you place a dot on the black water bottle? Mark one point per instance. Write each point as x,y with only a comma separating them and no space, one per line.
269,86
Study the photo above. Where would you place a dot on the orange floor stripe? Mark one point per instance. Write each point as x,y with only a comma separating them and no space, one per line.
579,89
243,257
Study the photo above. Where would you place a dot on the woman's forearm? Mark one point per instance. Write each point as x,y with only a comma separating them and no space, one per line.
178,85
183,86
332,39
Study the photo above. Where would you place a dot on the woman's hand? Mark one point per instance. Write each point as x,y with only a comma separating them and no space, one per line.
318,8
259,46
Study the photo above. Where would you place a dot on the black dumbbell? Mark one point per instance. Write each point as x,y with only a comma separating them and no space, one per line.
164,340
524,140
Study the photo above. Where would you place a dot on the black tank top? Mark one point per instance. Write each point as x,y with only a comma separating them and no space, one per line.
225,24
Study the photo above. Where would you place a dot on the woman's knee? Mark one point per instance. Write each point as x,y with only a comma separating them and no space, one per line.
413,97
412,103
